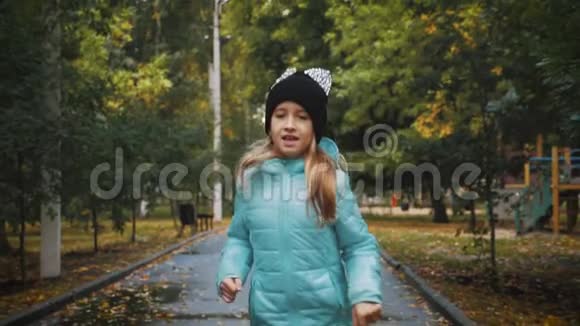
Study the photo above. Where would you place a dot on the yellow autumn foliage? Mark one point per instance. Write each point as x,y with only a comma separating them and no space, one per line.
121,27
431,28
472,24
433,122
454,49
497,70
146,84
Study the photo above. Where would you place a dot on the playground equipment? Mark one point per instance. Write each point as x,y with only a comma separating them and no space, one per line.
556,180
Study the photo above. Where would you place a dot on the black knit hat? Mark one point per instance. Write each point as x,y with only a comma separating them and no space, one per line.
308,88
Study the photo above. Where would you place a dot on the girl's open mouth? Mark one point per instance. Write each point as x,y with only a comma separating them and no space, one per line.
290,140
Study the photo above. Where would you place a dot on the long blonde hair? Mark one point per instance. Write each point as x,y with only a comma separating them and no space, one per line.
319,170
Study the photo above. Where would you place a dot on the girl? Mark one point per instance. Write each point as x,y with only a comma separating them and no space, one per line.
297,222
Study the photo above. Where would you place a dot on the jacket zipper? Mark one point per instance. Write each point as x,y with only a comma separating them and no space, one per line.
285,240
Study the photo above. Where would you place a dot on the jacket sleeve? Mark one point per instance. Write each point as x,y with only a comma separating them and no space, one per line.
360,250
236,257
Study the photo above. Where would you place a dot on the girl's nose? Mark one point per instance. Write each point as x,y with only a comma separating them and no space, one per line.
289,123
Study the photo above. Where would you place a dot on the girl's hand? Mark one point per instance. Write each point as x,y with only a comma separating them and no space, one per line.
364,313
229,288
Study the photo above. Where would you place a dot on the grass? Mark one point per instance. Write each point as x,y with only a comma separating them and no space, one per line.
538,279
79,263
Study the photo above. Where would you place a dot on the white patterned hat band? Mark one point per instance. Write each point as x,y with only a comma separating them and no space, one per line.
321,76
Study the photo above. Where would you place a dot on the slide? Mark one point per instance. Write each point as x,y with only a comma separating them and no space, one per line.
534,207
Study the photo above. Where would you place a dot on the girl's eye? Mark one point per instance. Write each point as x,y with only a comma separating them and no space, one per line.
304,117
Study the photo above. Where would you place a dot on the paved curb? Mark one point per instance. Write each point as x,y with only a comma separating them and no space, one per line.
437,301
42,309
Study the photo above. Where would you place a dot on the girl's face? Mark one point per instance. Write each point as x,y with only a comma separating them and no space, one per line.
290,130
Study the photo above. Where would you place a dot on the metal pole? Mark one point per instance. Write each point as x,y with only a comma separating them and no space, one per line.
216,94
555,190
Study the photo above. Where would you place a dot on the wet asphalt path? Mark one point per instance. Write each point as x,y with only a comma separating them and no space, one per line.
181,291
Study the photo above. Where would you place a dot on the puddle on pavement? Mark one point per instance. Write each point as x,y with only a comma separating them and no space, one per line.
123,306
166,292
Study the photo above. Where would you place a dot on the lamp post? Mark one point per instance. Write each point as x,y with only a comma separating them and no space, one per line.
215,87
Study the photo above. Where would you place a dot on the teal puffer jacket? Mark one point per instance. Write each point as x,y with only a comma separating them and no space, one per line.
303,274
